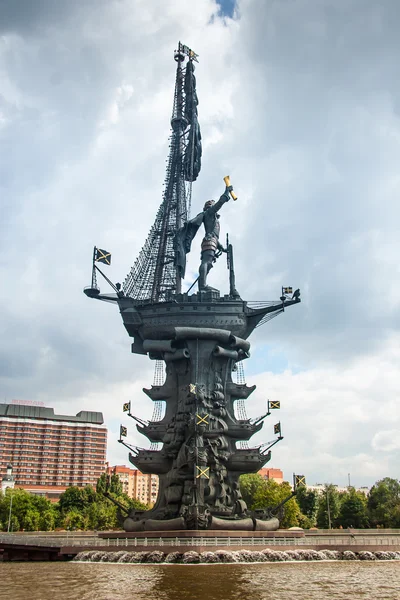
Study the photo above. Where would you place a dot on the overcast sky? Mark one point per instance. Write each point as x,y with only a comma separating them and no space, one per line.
300,104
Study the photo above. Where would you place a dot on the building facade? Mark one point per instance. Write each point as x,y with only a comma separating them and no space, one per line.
142,486
321,489
50,452
275,474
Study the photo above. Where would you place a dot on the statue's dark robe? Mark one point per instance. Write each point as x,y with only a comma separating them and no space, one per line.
183,242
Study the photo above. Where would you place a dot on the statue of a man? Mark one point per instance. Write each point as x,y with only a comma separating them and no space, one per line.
210,244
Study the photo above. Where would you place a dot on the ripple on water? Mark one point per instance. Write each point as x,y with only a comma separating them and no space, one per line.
266,581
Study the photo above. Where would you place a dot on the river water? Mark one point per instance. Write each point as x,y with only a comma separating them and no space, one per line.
264,581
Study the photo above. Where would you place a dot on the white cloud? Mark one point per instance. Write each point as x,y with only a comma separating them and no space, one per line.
335,418
299,104
386,441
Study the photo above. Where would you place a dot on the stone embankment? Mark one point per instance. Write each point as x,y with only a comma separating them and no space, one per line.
282,545
225,556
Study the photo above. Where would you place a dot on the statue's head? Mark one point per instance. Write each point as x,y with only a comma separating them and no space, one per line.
208,204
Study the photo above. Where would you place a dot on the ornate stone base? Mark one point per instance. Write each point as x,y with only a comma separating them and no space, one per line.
200,338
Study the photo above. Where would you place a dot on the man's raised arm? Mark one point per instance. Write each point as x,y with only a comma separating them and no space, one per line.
224,198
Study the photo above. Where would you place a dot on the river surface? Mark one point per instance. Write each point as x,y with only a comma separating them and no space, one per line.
264,581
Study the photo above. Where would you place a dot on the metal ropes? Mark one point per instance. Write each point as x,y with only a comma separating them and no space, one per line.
153,277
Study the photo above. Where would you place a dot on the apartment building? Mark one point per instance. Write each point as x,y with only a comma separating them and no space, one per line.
142,486
269,473
50,452
321,489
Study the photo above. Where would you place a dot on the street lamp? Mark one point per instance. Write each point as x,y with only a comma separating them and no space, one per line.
8,481
329,510
9,514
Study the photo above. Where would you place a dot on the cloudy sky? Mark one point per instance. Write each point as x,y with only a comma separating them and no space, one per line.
300,104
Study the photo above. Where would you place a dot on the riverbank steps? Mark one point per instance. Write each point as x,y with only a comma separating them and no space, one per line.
225,556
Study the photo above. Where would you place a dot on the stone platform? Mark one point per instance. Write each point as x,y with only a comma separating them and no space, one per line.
202,534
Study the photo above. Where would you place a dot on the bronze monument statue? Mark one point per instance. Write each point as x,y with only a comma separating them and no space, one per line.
210,246
199,433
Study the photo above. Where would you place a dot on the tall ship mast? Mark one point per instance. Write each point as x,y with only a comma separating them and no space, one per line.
154,276
199,434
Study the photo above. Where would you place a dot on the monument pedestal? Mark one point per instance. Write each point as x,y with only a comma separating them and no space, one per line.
200,338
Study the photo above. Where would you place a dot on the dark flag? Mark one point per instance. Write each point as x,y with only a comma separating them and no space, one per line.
277,428
102,256
299,480
123,431
190,53
274,404
193,151
126,407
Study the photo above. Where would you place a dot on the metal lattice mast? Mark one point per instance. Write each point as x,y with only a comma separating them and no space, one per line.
240,406
159,378
159,373
153,276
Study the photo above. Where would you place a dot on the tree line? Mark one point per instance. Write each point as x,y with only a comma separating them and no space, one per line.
78,508
88,509
329,508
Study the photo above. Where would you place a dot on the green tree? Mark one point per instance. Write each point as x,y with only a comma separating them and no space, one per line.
328,507
3,511
291,510
22,503
40,503
308,504
74,519
14,524
48,519
268,495
88,495
271,495
102,515
71,499
78,508
133,502
384,503
353,510
76,498
31,520
305,522
101,484
115,485
251,485
26,509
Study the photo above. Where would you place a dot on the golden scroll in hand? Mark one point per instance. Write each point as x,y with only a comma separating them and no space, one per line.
228,184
